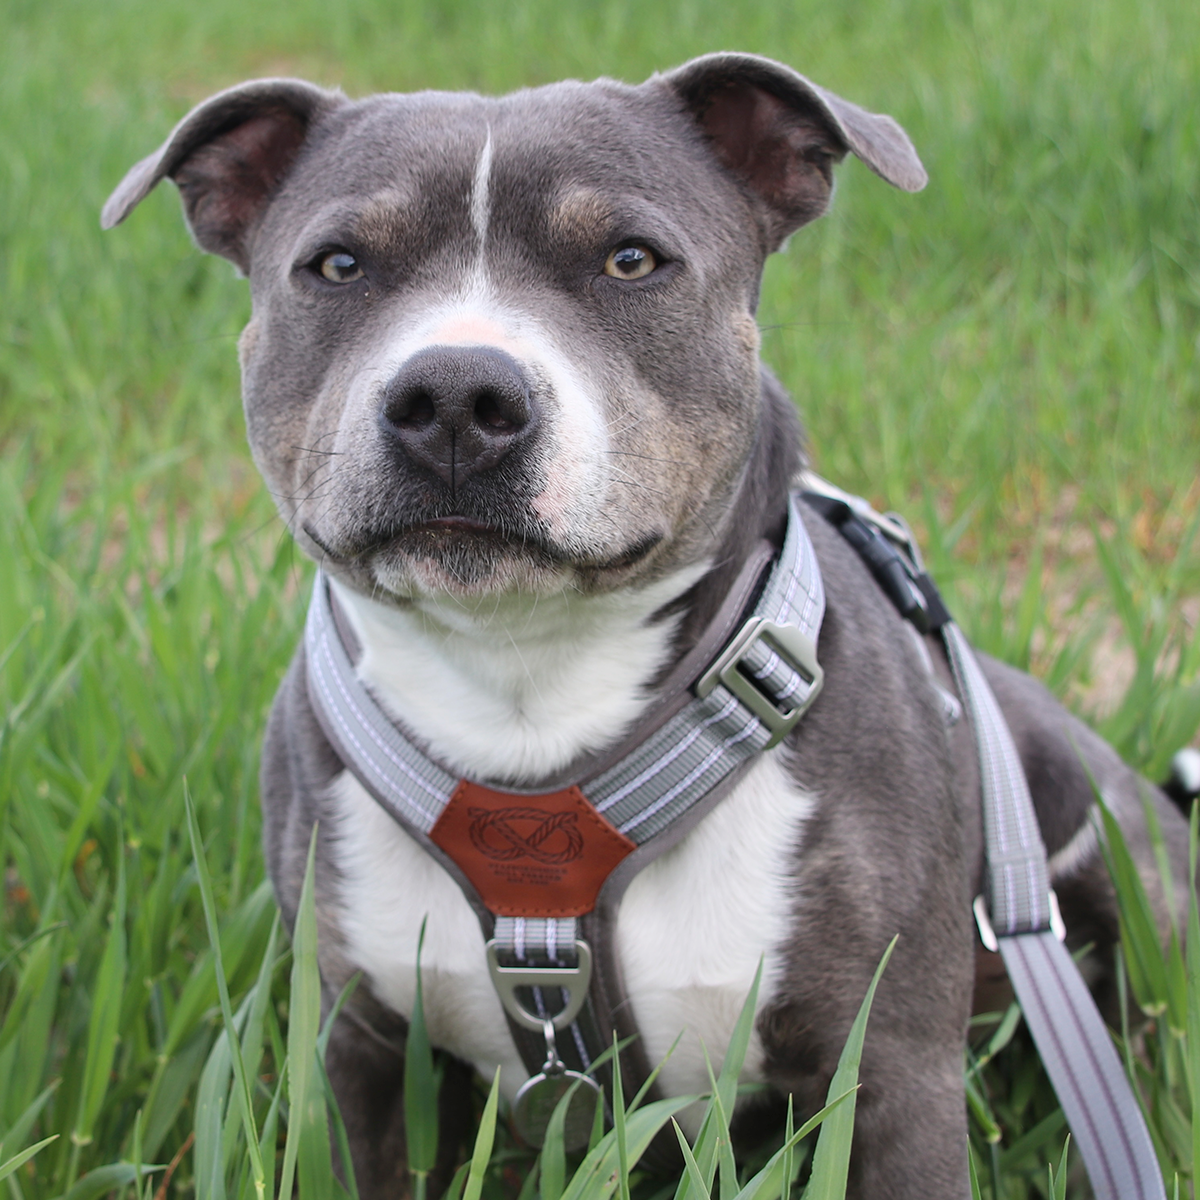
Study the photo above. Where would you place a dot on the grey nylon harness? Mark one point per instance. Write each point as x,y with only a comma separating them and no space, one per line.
738,693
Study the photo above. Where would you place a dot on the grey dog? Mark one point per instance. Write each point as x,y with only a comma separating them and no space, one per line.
502,378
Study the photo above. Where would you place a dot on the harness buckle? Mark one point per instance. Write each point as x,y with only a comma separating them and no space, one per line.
795,648
987,934
572,980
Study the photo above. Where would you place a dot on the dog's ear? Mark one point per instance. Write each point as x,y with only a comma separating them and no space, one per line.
780,134
227,156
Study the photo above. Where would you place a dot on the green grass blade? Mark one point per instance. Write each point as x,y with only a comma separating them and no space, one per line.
597,1134
644,1090
553,1159
104,1021
213,1112
483,1143
1139,930
700,1185
618,1105
455,1190
1058,1179
111,1177
420,1115
259,997
39,967
214,934
18,1131
739,1043
529,1186
596,1177
307,1155
788,1154
772,1178
976,1191
726,1167
17,1160
172,1085
831,1158
268,1139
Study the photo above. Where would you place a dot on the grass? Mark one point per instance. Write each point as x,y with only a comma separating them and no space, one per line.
1010,357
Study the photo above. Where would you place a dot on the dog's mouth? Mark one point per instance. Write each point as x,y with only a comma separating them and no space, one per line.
470,548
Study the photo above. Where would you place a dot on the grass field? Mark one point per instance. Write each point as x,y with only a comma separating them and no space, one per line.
1011,357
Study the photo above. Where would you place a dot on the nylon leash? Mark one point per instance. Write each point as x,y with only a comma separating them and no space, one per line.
1019,915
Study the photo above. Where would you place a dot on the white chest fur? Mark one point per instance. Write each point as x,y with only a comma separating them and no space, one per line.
693,924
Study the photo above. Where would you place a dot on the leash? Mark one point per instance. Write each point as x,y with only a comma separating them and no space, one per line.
545,870
1018,913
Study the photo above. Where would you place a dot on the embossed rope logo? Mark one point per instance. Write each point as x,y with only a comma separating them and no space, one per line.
506,834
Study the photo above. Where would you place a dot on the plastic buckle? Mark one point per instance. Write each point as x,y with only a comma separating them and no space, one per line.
987,934
796,648
898,529
573,980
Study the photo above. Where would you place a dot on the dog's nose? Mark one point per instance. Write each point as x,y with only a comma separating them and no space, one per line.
459,410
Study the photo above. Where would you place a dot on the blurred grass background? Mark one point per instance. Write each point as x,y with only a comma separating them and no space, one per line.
1010,358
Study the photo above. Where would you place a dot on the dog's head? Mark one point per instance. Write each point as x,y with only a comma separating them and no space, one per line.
509,344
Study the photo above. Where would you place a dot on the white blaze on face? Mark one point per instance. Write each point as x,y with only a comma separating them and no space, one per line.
575,465
574,438
481,197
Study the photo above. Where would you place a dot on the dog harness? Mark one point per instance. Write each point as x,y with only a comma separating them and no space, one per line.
545,870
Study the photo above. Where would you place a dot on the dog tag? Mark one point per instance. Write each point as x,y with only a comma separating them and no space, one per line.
535,1103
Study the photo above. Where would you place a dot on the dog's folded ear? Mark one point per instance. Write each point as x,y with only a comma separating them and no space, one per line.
227,156
781,134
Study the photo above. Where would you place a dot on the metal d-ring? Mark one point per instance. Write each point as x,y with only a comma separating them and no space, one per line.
573,980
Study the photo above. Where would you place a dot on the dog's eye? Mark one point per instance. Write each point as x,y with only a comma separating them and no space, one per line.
630,262
340,267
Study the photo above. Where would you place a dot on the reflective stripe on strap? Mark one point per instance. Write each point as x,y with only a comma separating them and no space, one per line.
1018,880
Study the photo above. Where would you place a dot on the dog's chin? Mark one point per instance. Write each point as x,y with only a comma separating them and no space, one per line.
465,562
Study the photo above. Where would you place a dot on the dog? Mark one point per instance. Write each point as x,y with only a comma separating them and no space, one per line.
502,378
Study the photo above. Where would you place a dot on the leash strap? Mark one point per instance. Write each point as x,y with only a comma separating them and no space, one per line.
1019,917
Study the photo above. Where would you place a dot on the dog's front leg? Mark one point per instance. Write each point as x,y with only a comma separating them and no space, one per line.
910,1124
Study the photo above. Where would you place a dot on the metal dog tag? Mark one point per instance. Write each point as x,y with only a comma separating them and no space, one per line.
536,1101
539,1096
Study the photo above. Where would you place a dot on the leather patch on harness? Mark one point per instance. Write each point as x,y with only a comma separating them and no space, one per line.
530,856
